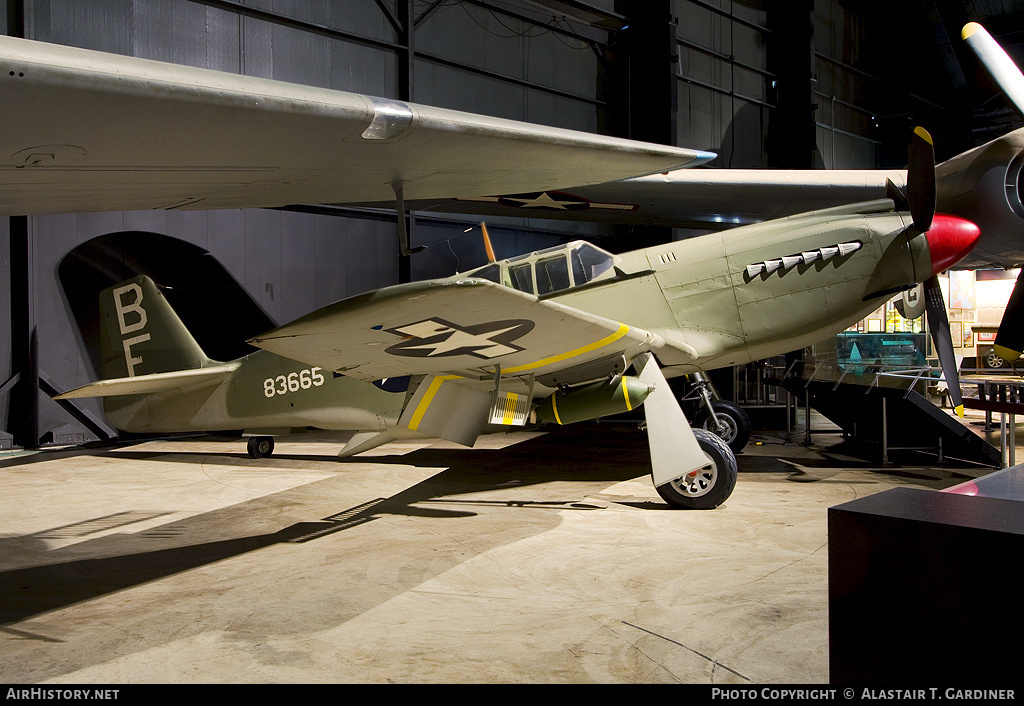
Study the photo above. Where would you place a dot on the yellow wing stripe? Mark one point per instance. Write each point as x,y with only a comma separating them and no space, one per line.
428,397
435,384
609,339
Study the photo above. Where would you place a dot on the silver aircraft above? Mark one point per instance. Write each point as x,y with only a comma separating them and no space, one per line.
983,185
91,131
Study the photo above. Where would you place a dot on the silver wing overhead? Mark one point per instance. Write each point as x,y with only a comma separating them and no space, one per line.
706,199
90,131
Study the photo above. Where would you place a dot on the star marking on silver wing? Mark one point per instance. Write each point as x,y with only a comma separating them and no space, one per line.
551,201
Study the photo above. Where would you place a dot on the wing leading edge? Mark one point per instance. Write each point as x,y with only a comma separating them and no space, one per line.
472,348
91,131
469,328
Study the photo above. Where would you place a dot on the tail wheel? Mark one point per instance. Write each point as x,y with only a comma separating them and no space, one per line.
261,446
709,486
733,424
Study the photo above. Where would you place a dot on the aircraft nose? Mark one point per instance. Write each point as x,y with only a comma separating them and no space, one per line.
949,239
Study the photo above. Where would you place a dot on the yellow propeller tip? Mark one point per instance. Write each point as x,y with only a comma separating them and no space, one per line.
960,411
969,29
923,134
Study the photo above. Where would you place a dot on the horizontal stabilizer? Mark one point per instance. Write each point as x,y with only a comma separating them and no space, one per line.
157,382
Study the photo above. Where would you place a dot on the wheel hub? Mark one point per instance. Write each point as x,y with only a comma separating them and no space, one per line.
726,428
698,482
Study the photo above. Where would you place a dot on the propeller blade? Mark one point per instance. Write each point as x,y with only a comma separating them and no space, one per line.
921,179
898,196
1009,343
938,324
996,62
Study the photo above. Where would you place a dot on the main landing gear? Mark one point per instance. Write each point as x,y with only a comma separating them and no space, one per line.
726,420
690,468
260,446
709,486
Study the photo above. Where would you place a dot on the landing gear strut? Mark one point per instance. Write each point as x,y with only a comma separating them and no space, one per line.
690,468
724,419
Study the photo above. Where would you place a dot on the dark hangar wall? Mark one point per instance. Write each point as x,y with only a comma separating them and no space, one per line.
468,56
709,82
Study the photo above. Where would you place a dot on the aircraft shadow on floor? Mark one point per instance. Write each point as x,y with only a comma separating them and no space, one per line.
96,567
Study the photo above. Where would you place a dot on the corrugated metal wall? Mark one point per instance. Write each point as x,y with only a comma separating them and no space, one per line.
725,80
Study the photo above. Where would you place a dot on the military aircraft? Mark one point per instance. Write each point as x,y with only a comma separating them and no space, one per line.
551,336
979,185
982,185
548,337
1009,341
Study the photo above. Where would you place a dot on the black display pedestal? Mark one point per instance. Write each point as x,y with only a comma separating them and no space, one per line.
924,589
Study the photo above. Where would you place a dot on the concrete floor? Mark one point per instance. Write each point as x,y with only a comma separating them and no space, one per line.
531,558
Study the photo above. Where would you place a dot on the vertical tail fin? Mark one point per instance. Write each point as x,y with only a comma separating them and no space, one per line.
141,333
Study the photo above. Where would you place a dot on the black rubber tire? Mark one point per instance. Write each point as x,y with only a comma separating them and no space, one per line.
260,446
736,423
708,487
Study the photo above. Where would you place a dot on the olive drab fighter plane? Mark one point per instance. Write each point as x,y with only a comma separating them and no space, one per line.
557,336
562,335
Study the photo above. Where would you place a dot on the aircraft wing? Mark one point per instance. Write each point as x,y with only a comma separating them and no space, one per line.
461,327
707,199
472,348
91,131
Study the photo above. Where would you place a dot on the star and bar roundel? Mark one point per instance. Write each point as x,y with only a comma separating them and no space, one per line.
436,337
552,201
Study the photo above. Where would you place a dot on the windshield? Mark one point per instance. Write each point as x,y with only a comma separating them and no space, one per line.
588,263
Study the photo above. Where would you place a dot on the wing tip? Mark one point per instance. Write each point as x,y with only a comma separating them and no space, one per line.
969,29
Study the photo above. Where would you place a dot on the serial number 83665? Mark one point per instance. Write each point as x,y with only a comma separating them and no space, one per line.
293,382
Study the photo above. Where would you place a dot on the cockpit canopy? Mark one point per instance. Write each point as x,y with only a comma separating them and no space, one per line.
550,270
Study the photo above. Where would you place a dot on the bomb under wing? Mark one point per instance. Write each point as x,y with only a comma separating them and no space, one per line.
621,393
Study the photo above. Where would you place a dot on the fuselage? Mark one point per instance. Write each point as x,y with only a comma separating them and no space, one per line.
714,301
700,296
266,393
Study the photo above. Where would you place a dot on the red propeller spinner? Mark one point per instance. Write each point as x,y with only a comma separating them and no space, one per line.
949,239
